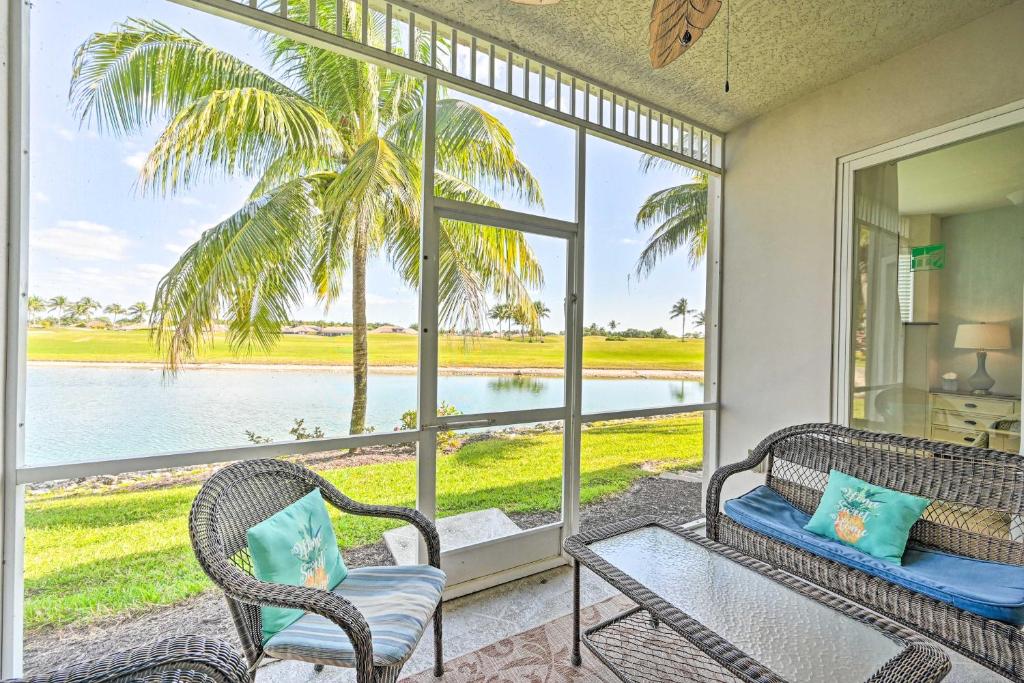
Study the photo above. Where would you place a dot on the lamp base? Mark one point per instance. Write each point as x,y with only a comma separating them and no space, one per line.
981,382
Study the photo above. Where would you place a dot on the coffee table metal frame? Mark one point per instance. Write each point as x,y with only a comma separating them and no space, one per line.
919,662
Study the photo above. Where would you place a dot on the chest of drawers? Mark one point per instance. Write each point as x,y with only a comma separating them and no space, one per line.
958,418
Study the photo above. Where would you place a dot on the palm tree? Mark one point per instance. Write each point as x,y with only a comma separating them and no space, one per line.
58,303
115,310
501,313
698,320
35,306
524,317
138,310
679,310
541,311
336,145
612,324
678,216
84,307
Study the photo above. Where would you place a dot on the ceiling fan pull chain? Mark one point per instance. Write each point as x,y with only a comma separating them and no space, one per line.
728,27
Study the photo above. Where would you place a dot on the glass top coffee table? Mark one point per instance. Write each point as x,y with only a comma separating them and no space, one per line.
708,613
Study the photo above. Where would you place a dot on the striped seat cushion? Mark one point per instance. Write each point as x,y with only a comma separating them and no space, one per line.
397,603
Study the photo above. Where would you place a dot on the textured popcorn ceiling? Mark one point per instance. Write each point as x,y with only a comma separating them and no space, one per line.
781,49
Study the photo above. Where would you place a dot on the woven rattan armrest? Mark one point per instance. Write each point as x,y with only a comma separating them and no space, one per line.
714,494
414,517
213,658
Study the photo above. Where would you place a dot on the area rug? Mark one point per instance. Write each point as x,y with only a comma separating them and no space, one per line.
542,654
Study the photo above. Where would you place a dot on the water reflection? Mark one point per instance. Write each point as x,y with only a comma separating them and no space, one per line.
518,384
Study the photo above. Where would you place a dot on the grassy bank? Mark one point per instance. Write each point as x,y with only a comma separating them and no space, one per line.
97,555
72,344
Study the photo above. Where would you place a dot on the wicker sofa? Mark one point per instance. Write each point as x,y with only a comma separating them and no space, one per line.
977,512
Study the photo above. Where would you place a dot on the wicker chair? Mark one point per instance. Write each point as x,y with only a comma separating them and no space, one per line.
243,494
977,511
185,659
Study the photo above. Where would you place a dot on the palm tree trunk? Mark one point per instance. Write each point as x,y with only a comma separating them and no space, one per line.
682,337
360,355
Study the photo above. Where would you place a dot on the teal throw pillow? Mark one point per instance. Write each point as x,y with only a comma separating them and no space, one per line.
873,519
295,546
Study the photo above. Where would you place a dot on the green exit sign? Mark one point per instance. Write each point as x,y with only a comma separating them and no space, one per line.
928,257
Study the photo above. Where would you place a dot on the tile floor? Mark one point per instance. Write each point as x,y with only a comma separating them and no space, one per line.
473,621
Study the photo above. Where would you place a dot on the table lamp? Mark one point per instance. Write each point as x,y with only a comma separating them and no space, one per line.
982,337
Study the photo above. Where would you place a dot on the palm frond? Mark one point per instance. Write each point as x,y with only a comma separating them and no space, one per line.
250,270
144,70
472,144
475,261
678,216
651,162
238,131
378,174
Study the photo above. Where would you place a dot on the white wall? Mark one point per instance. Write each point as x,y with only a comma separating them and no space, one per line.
982,282
779,221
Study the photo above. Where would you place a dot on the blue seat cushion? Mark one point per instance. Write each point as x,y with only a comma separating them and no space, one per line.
397,603
989,589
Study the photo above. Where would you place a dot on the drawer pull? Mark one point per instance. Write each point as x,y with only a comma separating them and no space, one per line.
970,405
969,439
970,422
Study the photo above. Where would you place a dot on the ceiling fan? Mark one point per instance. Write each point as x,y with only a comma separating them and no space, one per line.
678,24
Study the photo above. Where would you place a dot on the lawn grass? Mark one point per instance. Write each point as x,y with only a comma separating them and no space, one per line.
91,556
74,344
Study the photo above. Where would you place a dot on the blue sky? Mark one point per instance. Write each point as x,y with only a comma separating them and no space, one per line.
92,234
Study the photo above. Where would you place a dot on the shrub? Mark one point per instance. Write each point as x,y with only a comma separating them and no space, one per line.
447,441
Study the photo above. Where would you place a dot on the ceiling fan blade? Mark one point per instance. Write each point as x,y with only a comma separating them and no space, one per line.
673,19
703,12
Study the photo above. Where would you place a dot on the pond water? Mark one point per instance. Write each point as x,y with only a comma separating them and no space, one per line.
82,412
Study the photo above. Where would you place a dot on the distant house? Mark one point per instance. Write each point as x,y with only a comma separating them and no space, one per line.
301,329
391,329
335,331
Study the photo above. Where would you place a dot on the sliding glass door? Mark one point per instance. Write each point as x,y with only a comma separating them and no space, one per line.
933,241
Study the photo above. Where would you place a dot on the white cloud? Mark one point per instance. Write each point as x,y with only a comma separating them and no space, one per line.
188,201
72,135
40,197
123,285
629,240
193,233
81,241
190,234
136,161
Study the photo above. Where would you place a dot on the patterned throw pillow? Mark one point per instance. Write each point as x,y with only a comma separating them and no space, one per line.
873,519
295,546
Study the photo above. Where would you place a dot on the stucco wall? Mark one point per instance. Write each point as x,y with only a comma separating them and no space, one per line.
780,213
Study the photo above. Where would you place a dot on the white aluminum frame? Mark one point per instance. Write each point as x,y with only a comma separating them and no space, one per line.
521,553
15,289
951,133
664,132
15,475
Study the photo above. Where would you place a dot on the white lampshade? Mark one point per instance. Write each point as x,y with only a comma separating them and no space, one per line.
982,336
